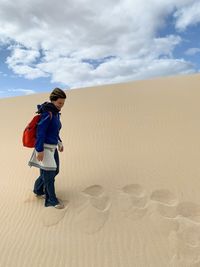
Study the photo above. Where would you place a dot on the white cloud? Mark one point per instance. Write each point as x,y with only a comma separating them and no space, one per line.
23,91
127,70
16,92
188,15
22,56
57,40
22,62
192,51
27,72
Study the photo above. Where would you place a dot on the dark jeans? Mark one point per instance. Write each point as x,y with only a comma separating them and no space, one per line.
45,184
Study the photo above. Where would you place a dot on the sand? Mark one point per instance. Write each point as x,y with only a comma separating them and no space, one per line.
130,179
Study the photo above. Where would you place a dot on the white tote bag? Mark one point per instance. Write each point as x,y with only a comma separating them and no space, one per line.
48,163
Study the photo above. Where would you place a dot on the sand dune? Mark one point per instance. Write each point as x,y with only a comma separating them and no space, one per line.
130,179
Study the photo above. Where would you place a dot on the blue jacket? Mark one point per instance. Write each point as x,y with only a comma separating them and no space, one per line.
48,127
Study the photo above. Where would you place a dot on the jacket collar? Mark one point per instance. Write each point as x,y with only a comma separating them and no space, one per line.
47,106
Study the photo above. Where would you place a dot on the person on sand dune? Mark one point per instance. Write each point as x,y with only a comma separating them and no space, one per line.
45,155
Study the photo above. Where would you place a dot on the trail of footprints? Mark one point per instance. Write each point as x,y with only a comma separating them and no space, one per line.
182,224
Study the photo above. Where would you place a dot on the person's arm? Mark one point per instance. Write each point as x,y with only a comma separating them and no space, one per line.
41,131
60,144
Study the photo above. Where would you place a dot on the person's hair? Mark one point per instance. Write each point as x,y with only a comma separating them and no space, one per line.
57,93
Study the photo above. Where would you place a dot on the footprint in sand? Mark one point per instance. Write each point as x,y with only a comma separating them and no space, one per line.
94,191
185,238
190,235
164,196
97,197
95,212
190,211
185,244
134,201
51,216
166,203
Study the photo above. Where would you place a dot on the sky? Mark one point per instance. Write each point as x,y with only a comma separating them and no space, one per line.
81,43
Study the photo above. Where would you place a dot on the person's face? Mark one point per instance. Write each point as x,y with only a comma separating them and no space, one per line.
59,103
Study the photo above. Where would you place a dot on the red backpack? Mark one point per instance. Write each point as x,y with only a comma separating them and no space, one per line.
29,134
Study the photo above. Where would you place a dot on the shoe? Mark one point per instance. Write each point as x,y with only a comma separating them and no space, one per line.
59,206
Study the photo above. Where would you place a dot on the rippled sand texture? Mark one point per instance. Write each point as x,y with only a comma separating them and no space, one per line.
129,179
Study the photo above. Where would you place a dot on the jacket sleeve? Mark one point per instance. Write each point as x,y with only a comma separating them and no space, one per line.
59,139
41,131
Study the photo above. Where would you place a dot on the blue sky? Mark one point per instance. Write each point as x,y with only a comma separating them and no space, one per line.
78,43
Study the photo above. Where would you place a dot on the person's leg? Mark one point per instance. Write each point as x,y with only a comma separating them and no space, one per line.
49,180
39,185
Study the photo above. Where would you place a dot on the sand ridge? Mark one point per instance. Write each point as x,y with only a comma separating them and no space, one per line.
129,179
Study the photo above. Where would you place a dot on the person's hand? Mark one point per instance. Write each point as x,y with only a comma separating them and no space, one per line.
60,148
40,156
